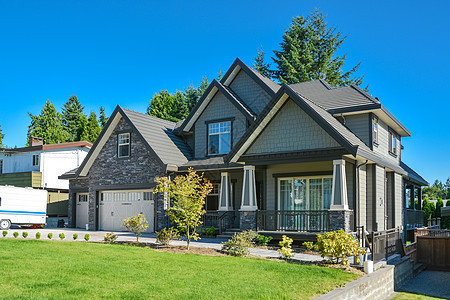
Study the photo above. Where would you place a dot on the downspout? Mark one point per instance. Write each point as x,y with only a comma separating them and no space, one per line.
357,206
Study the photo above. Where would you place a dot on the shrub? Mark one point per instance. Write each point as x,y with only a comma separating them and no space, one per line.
338,245
62,236
5,233
110,237
166,235
75,236
25,234
50,236
263,240
308,245
87,237
210,231
199,230
136,224
15,234
286,249
38,235
240,243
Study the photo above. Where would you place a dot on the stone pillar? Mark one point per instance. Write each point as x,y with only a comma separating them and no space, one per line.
248,203
339,200
224,196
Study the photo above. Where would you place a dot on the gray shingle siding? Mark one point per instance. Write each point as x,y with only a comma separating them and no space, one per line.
350,178
218,108
360,125
362,196
383,143
370,198
398,196
250,92
380,200
291,130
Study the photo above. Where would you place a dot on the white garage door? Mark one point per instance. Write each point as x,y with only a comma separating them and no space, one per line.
82,210
115,206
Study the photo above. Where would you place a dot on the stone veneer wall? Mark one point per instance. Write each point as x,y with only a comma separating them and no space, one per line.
248,220
75,186
340,219
139,169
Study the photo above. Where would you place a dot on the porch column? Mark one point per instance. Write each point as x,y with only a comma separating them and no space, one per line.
224,197
339,214
248,203
339,200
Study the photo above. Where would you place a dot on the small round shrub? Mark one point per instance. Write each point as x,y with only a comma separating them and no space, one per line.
75,236
15,234
50,236
238,245
166,235
25,234
110,237
62,236
38,235
87,237
5,233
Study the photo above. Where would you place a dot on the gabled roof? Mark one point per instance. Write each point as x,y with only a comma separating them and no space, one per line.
347,100
156,133
330,124
267,84
207,96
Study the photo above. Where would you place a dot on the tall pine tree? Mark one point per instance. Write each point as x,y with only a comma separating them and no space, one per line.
193,94
260,65
163,106
1,137
309,52
89,128
102,118
47,125
72,112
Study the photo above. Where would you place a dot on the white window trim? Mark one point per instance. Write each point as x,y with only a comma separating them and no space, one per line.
307,187
219,133
123,144
36,160
375,133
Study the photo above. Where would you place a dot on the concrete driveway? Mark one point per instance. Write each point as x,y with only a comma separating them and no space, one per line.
431,283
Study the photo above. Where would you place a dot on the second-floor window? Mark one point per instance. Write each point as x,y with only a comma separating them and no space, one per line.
36,160
123,145
375,130
393,142
219,138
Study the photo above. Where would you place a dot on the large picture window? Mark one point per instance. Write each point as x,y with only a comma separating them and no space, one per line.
123,141
305,193
219,138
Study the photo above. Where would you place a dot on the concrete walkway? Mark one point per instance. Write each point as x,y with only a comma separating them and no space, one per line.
147,238
430,283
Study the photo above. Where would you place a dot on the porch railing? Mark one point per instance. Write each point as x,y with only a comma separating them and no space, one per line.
210,218
386,243
292,220
414,218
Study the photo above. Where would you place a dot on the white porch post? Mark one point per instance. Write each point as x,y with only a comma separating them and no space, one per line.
339,200
224,197
248,202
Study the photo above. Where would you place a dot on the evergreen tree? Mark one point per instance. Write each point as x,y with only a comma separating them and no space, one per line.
103,119
89,128
181,108
309,52
163,106
72,113
1,137
47,125
193,94
260,65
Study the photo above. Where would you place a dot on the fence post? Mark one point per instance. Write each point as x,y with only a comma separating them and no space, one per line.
438,222
429,222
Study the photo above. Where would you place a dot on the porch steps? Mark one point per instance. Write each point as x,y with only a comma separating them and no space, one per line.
228,234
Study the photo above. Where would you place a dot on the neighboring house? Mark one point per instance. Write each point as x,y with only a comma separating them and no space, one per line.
39,166
301,158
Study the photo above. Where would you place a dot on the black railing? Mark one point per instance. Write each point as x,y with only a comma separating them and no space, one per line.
414,218
386,243
210,218
293,220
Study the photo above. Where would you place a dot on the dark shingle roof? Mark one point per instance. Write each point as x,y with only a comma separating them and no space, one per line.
413,175
158,133
209,163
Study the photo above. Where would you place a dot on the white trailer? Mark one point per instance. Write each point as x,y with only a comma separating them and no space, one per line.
22,206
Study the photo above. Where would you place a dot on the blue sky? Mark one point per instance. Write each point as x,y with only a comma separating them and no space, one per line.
122,52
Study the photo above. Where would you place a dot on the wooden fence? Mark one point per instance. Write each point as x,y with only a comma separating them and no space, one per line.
433,248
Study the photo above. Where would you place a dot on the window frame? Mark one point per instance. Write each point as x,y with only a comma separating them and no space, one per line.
1,166
375,133
35,160
393,139
218,121
123,144
215,194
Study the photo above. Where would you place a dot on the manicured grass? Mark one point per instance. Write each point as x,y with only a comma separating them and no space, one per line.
48,269
411,296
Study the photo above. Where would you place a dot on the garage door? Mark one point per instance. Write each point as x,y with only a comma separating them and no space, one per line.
115,206
82,210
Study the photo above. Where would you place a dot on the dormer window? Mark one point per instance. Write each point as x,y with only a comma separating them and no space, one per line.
123,145
375,130
219,138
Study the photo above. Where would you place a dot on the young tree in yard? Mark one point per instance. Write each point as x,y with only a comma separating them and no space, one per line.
72,112
102,118
136,224
47,125
309,52
188,193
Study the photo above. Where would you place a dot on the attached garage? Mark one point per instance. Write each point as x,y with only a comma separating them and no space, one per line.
115,206
82,210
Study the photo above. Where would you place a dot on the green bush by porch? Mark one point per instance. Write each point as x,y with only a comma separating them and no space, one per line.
58,270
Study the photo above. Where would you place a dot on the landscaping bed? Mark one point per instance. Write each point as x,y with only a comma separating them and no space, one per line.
46,269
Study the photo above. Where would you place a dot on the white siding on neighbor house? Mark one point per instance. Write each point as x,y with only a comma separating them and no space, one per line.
383,143
398,195
19,162
326,166
291,129
219,108
360,126
250,92
362,210
58,161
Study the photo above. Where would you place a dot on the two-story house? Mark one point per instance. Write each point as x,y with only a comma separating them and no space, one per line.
39,166
302,158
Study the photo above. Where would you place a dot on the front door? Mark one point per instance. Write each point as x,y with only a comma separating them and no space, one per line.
82,210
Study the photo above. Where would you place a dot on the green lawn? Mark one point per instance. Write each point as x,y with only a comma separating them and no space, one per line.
410,296
46,269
